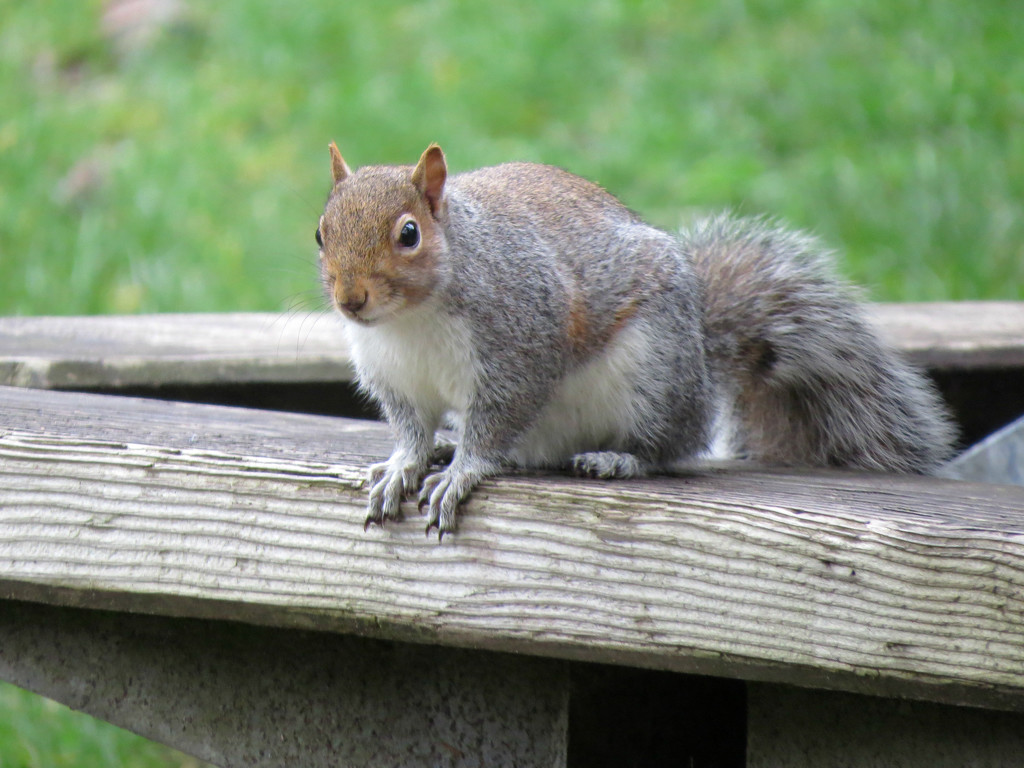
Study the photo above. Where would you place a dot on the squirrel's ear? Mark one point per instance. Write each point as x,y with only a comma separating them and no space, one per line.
429,176
339,169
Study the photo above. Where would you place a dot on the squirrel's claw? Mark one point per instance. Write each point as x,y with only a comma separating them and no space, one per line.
442,495
388,486
377,514
432,526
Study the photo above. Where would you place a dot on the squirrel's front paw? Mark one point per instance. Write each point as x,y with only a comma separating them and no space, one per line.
444,492
389,483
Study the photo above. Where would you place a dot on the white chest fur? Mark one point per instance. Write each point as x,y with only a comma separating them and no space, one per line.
424,356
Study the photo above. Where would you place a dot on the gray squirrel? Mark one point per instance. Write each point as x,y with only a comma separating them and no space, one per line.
552,327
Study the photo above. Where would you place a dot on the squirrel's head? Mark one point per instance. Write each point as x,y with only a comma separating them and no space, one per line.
381,236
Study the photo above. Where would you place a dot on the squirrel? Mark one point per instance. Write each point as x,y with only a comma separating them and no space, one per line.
552,327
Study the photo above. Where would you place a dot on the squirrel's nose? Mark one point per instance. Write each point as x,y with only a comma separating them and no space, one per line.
354,304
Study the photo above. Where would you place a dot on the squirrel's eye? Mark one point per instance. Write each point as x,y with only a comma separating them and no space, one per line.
319,240
409,237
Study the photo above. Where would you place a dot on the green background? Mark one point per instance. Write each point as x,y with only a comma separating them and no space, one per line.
187,172
182,166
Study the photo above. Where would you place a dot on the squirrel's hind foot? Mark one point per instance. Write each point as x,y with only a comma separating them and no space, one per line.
444,450
607,465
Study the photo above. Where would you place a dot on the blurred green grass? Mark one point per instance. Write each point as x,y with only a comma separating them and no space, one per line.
186,172
38,733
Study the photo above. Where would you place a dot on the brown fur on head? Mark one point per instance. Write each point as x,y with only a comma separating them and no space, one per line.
381,235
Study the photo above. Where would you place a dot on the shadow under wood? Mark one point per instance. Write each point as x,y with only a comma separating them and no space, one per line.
638,718
982,400
321,398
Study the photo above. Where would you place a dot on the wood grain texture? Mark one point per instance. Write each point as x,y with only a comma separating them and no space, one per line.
110,351
890,585
121,351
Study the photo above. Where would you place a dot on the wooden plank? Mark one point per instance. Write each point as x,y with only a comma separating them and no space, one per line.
121,351
955,335
896,585
146,350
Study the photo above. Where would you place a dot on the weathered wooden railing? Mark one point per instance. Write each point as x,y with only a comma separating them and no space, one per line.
200,574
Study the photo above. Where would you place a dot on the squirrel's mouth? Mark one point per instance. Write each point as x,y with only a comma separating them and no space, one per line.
354,315
366,316
366,322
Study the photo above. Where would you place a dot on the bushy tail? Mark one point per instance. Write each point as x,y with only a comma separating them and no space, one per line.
807,380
